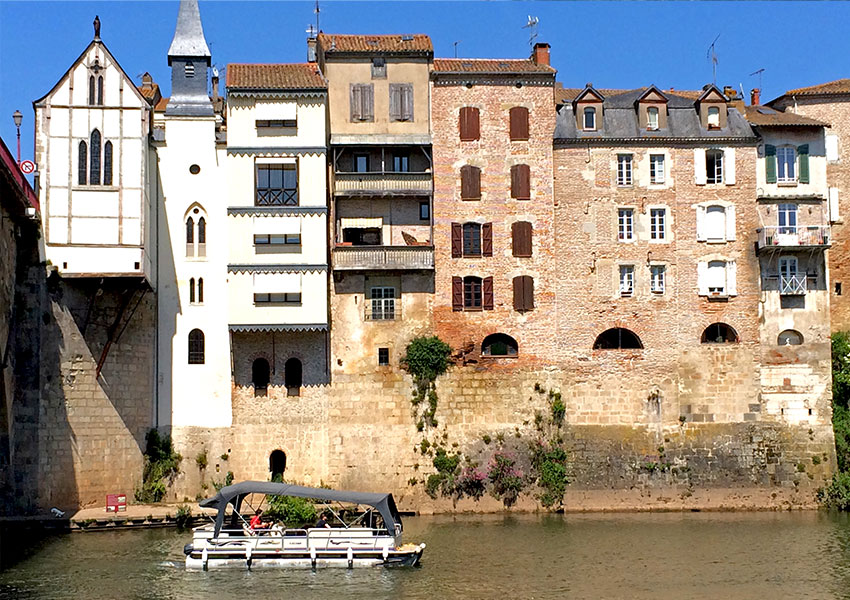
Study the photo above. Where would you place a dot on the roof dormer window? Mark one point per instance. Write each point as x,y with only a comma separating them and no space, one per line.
589,120
713,117
652,117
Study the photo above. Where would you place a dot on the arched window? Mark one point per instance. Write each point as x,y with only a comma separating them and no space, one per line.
107,163
260,375
190,237
617,338
91,89
196,347
202,231
499,345
100,90
94,168
292,376
192,290
201,290
277,465
719,333
789,337
82,166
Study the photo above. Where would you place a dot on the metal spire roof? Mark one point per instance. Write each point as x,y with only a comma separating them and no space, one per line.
189,35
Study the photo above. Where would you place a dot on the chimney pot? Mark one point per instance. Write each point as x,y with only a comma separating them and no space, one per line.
588,84
540,54
729,91
755,100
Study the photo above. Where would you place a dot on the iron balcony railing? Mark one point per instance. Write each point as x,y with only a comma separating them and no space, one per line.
382,183
800,236
354,258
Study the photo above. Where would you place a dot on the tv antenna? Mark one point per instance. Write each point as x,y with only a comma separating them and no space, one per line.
317,11
759,72
712,55
455,45
532,26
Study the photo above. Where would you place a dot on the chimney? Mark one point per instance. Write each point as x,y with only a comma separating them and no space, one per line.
214,85
729,92
311,49
147,81
755,100
540,54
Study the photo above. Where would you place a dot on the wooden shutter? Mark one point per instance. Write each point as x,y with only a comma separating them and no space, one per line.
457,293
368,99
528,292
407,101
770,163
519,123
702,278
521,238
803,152
701,233
731,277
518,300
486,293
487,239
730,223
356,102
470,183
395,102
468,126
699,166
457,240
729,166
521,182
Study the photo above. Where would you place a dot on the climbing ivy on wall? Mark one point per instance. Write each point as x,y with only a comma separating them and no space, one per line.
837,493
426,359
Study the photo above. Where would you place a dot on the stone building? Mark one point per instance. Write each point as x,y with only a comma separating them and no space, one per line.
493,206
830,104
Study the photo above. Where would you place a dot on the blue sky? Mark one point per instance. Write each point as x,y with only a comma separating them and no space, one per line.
612,44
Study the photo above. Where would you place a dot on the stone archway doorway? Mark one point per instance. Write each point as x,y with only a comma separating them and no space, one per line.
277,464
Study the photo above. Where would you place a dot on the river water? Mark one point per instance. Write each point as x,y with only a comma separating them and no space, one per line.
674,555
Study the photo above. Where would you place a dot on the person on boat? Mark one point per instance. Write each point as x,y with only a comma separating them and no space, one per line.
257,521
322,523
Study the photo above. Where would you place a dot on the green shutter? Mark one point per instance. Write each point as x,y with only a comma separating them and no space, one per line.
803,151
770,162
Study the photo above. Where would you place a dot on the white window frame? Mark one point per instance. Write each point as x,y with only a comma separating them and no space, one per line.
714,268
786,218
704,273
652,118
625,171
588,110
713,117
715,178
657,278
657,169
658,224
625,224
627,280
786,160
382,300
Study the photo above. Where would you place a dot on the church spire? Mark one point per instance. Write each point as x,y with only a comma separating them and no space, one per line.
189,34
189,58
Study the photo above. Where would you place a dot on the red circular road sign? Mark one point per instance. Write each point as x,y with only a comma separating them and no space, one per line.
27,167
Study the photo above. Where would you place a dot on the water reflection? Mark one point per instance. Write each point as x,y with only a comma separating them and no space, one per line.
705,555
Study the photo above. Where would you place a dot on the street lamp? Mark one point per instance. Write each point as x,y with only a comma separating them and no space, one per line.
17,117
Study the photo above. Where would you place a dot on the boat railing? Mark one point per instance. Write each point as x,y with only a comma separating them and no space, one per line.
364,538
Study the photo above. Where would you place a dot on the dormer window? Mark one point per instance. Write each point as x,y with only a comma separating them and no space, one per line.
589,119
189,70
713,117
652,118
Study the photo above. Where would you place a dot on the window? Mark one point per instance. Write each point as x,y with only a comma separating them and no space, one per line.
519,123
91,89
627,280
383,303
276,123
196,291
717,277
499,345
292,376
82,163
790,282
401,163
424,211
196,347
470,183
190,237
362,102
379,68
625,224
523,293
189,70
277,185
200,290
521,234
383,357
401,102
521,182
277,239
715,223
260,375
278,298
94,166
714,166
472,293
468,124
617,338
787,216
789,337
472,239
719,333
100,90
192,290
656,168
624,169
786,164
713,117
657,223
361,163
202,237
652,118
657,277
107,163
589,119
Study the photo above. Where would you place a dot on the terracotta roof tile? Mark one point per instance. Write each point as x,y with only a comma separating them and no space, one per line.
275,76
160,106
416,43
489,65
764,116
839,86
149,92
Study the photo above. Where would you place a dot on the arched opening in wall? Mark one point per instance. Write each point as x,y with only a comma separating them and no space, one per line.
292,377
196,347
719,333
789,337
260,375
617,338
499,345
277,464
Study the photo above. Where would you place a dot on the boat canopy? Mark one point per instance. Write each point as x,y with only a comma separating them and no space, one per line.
234,494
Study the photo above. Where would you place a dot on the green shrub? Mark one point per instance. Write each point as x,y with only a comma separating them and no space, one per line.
184,516
433,483
291,511
841,426
427,357
836,494
161,466
507,480
559,409
446,463
201,459
550,462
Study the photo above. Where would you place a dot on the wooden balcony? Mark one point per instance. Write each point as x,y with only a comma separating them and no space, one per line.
386,258
382,184
789,238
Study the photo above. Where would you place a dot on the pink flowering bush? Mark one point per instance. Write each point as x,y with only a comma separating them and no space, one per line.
506,479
